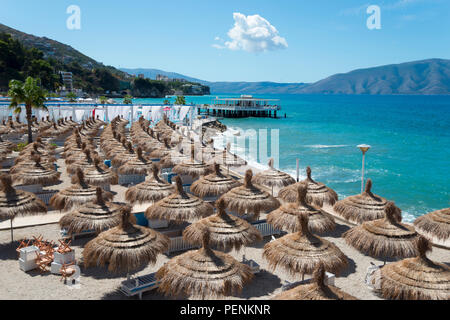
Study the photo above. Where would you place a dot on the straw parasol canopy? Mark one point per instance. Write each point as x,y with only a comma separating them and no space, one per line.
30,162
302,252
136,165
214,184
100,174
249,198
6,145
192,168
84,163
203,273
436,223
36,174
172,159
317,289
386,237
77,194
362,207
162,151
15,202
416,278
273,177
152,189
179,207
225,231
126,247
317,194
286,217
98,215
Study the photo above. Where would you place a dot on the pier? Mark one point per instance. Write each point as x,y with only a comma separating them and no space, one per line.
243,107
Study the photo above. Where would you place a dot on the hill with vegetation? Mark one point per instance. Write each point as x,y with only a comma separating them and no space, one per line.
23,55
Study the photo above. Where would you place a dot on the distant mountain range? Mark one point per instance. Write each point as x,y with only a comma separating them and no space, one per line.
430,76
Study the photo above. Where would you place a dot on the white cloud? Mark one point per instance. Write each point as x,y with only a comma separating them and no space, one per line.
217,46
253,34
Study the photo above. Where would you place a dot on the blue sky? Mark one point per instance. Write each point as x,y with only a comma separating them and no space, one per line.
305,41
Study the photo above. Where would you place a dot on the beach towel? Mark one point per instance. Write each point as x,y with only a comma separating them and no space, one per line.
183,112
100,113
157,113
113,111
79,114
145,111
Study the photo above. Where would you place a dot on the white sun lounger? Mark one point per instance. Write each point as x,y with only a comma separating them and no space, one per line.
252,264
65,234
139,285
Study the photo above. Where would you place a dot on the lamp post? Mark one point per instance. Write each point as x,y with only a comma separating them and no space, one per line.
364,148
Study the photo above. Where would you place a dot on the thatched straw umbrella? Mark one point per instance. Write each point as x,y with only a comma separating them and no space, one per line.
386,237
362,207
46,162
436,224
100,174
80,156
317,194
161,152
192,168
226,231
273,178
14,202
172,159
286,217
77,194
126,247
203,274
43,153
179,207
36,174
416,278
136,165
98,215
84,163
7,145
249,199
302,252
214,184
121,158
317,289
152,189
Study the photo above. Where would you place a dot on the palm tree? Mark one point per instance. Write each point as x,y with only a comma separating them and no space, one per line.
127,99
29,93
102,99
181,101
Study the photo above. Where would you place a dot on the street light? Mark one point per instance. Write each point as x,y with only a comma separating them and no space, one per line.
364,148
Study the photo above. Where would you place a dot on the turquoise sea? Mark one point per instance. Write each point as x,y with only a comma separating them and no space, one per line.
409,161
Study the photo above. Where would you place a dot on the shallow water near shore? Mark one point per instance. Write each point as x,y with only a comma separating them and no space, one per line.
409,135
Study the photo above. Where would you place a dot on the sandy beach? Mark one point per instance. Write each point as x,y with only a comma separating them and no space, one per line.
98,283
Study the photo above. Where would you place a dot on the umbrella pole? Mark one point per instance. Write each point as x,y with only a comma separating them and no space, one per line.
272,191
12,231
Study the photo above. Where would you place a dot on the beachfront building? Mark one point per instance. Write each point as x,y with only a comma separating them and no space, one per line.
243,107
67,80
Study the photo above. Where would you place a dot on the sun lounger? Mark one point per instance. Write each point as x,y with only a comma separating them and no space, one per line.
329,279
265,228
139,285
66,235
252,264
